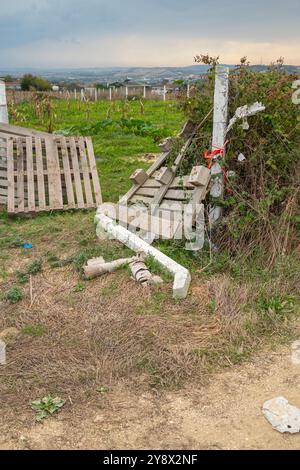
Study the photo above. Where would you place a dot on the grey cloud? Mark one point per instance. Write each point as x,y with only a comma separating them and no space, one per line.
24,22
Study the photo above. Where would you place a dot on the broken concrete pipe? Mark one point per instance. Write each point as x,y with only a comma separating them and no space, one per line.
182,277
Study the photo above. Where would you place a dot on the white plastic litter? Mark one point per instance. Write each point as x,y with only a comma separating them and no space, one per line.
241,157
245,111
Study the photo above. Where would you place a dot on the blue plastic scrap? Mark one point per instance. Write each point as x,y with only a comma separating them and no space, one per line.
28,246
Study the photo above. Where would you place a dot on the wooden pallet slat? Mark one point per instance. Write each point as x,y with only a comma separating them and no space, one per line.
41,171
67,173
77,180
93,169
54,183
10,176
20,175
85,170
40,174
30,176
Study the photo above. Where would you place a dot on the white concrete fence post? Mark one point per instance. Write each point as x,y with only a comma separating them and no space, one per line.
165,92
219,136
3,104
110,94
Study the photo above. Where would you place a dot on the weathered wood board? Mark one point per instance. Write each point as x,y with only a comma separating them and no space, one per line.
44,172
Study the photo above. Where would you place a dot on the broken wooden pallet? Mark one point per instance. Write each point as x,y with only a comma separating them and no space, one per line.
43,172
157,202
165,195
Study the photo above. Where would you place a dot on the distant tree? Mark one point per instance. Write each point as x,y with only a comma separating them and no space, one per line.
179,82
100,85
8,78
32,82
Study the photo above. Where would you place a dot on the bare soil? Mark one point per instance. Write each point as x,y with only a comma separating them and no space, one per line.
223,414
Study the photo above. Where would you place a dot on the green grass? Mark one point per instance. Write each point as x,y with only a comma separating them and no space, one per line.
117,152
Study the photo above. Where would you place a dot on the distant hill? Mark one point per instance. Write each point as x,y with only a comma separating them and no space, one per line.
113,74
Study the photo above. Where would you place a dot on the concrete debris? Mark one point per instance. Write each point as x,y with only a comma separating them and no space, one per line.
182,277
245,111
296,352
140,272
281,415
96,268
2,353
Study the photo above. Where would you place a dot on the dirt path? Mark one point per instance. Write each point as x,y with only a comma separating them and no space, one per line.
225,414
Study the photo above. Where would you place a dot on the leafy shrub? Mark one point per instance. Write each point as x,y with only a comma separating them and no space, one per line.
35,267
14,295
47,406
32,82
260,202
132,126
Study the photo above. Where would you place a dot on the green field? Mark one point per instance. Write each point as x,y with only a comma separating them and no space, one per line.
79,337
118,153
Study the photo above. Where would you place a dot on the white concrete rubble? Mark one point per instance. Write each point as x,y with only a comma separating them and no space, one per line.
182,277
2,353
281,415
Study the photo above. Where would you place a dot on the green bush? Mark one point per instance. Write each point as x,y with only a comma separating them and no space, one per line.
260,202
14,295
32,82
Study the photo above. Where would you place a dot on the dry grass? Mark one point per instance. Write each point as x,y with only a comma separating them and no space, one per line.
78,336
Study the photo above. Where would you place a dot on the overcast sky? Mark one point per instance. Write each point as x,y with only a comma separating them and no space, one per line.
95,33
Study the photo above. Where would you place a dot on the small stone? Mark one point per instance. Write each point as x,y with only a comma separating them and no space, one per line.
10,335
281,415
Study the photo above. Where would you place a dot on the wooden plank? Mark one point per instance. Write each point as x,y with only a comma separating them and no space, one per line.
40,174
150,172
77,180
144,199
151,183
67,173
85,170
181,182
54,179
20,176
10,176
146,191
21,131
179,194
136,217
3,191
174,206
30,177
94,171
